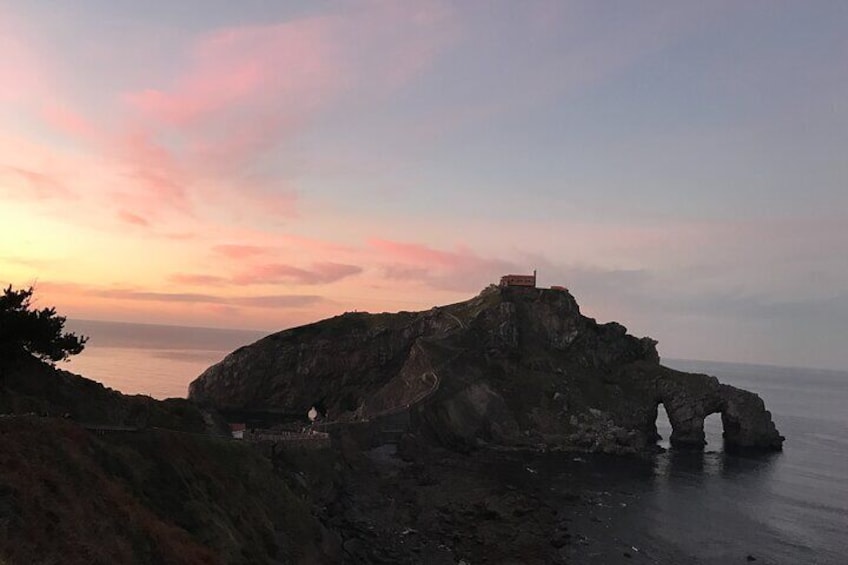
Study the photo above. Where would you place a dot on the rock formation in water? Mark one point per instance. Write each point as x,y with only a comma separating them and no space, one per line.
512,367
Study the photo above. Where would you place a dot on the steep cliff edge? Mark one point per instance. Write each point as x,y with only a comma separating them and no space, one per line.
511,367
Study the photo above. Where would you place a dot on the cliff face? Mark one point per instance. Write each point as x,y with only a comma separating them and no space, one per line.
512,366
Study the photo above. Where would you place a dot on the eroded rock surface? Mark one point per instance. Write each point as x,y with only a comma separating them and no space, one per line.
511,367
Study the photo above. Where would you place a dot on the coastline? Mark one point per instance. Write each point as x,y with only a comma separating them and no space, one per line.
491,506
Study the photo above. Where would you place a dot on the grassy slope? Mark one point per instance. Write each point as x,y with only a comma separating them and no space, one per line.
35,387
68,496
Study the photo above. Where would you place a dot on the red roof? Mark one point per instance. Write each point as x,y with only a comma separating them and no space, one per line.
237,427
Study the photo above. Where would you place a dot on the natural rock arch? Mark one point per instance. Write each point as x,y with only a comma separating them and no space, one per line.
689,398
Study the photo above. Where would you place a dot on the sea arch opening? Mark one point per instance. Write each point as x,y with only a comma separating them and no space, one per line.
662,427
713,432
690,425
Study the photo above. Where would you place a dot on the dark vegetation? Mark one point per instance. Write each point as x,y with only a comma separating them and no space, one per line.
70,496
177,489
28,331
170,488
34,387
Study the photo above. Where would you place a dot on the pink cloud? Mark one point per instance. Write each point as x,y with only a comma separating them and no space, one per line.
318,273
268,273
459,270
298,65
158,177
131,218
244,89
237,93
277,300
134,295
64,119
416,253
235,251
22,71
279,244
405,272
41,185
280,203
197,279
237,67
315,246
179,236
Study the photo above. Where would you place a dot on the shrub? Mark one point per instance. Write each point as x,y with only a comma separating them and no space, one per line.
25,331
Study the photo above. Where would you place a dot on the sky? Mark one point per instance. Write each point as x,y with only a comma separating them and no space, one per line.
680,166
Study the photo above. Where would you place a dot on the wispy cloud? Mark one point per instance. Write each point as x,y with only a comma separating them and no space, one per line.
238,251
317,273
22,71
156,177
194,279
245,69
130,218
273,273
133,294
39,185
62,118
458,270
202,131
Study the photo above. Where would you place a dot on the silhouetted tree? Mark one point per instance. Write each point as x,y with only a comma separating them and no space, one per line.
25,331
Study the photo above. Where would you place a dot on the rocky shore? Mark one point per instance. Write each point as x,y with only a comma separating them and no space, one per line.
410,505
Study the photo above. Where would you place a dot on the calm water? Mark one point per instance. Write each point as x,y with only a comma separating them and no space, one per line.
789,507
712,507
156,360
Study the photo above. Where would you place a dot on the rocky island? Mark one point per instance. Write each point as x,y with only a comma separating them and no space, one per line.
514,367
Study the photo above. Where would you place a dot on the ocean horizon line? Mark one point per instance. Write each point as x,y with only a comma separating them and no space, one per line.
755,365
74,320
195,341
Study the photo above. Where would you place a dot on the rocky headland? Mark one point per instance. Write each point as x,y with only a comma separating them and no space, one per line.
513,367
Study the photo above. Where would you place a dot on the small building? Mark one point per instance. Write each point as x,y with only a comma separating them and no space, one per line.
519,280
238,430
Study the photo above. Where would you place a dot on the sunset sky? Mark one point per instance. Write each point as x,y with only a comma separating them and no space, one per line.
681,166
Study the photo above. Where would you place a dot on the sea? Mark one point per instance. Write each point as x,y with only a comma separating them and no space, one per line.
709,507
156,360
